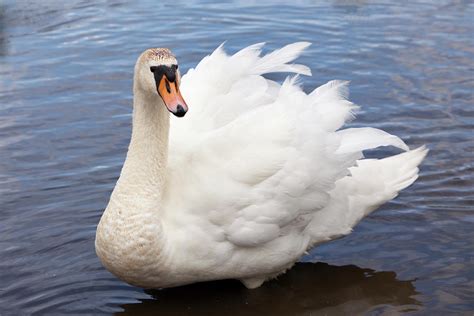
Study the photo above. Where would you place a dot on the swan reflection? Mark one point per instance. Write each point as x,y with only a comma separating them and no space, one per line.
306,289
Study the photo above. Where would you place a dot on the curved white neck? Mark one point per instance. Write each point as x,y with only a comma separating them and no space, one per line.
143,173
130,222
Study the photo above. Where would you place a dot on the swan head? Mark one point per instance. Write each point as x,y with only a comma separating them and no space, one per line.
157,74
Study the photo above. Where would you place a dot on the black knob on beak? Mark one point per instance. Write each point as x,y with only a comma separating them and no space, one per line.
180,111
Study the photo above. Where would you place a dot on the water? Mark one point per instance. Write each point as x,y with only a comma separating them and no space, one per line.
65,113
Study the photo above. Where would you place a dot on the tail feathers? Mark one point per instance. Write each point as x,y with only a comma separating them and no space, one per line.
381,180
371,183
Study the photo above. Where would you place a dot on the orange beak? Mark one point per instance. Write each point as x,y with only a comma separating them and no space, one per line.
169,92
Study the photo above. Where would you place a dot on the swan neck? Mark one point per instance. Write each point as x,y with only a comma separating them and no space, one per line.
131,225
145,165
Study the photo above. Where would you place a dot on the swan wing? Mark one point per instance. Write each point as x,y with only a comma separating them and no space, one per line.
253,161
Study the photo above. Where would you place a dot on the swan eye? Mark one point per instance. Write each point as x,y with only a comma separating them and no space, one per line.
152,69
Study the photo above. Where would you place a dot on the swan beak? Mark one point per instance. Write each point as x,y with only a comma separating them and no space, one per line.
169,92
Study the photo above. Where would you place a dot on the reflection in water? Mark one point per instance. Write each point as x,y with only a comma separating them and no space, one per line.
307,289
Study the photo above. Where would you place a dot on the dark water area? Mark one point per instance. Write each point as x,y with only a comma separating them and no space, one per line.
65,120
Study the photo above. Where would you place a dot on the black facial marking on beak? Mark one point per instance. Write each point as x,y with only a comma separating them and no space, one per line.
168,71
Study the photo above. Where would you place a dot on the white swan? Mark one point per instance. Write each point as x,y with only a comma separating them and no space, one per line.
255,175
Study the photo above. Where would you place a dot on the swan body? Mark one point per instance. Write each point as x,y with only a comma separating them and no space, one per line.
255,175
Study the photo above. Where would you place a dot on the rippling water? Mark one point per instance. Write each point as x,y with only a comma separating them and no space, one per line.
65,114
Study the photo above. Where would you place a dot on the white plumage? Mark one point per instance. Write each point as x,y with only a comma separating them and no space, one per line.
256,174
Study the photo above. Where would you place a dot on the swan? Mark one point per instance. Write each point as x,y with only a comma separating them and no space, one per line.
253,177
